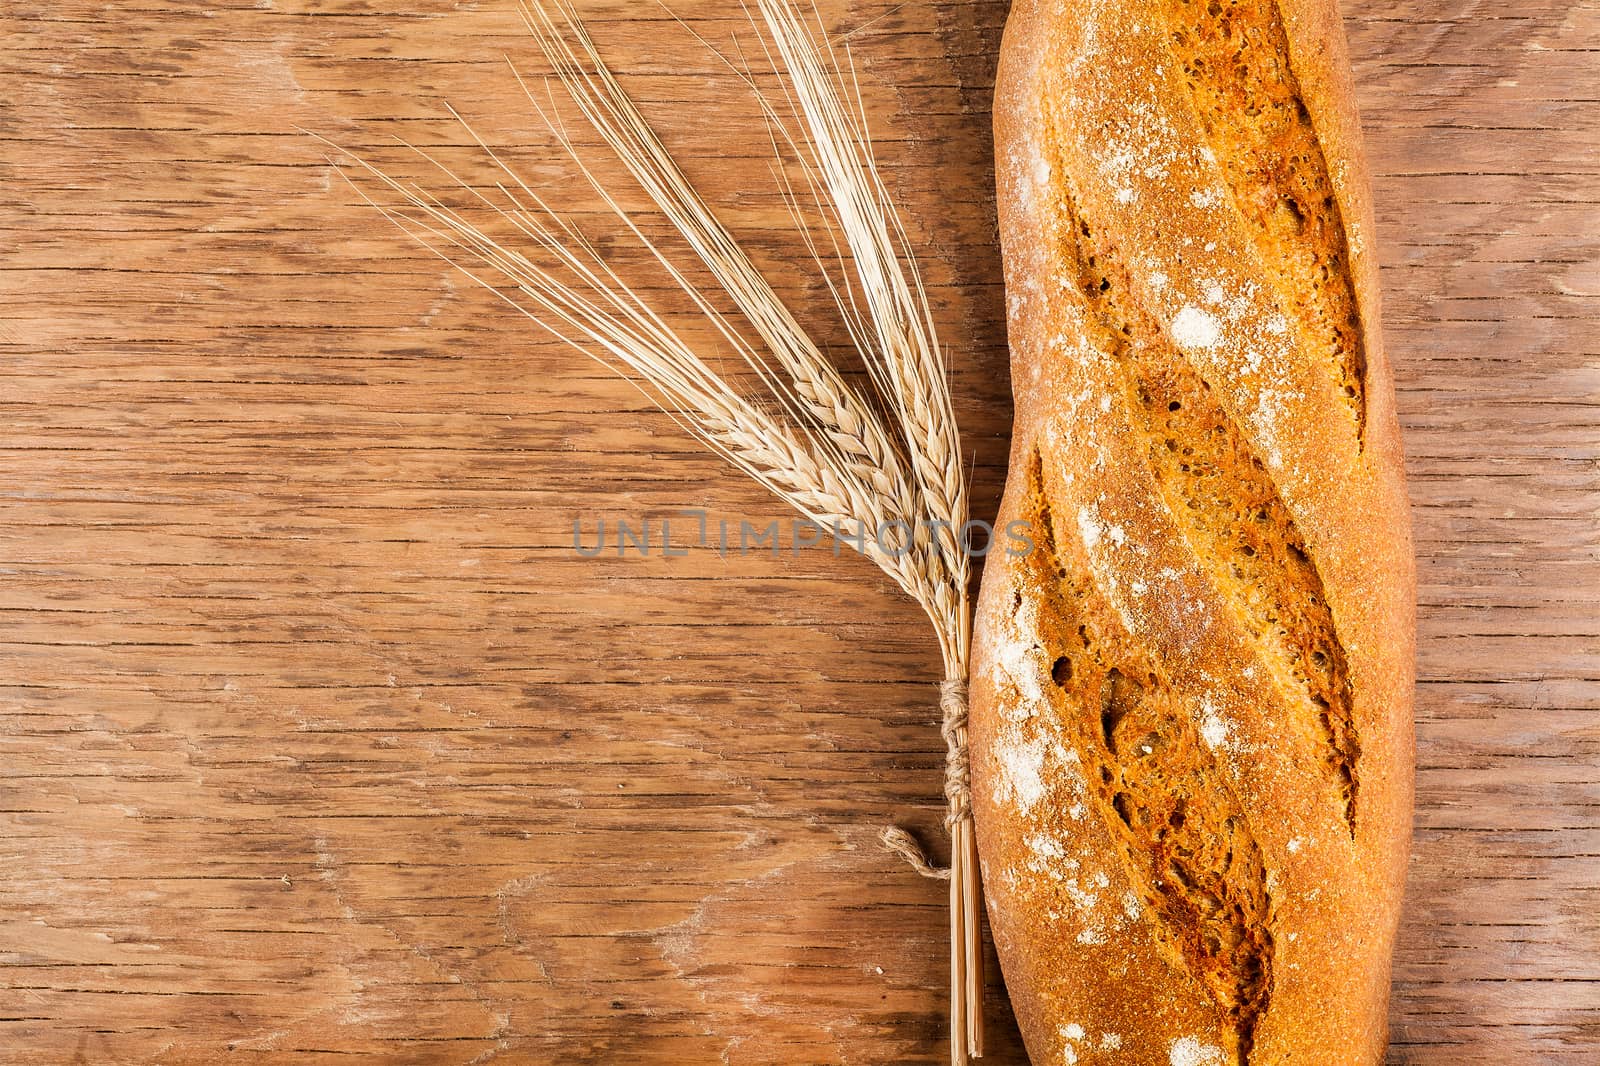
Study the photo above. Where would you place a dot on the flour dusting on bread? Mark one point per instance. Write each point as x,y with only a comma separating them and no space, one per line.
1189,1051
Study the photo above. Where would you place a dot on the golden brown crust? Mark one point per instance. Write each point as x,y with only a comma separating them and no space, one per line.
1191,701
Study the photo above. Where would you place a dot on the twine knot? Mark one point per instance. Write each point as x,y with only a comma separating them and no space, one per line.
957,781
957,766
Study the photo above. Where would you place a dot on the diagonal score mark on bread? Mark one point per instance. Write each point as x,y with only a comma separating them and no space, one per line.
1223,500
1235,60
1182,836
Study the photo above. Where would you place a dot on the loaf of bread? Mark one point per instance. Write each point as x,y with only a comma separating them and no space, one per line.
1191,700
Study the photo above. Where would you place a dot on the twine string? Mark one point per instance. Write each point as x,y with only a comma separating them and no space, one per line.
957,768
905,845
957,781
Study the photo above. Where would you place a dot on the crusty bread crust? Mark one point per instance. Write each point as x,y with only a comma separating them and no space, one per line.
1191,702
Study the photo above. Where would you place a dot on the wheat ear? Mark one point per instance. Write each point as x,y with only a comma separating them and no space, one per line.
898,336
813,440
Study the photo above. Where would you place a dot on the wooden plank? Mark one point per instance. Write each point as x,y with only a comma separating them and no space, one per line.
319,739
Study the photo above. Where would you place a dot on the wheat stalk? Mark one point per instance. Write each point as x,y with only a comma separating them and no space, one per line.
810,438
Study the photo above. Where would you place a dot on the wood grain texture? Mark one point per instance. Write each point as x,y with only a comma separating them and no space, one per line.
319,742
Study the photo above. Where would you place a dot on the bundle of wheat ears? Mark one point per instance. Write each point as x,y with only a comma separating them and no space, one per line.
884,472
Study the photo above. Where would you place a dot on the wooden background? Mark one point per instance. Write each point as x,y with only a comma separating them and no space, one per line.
318,742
